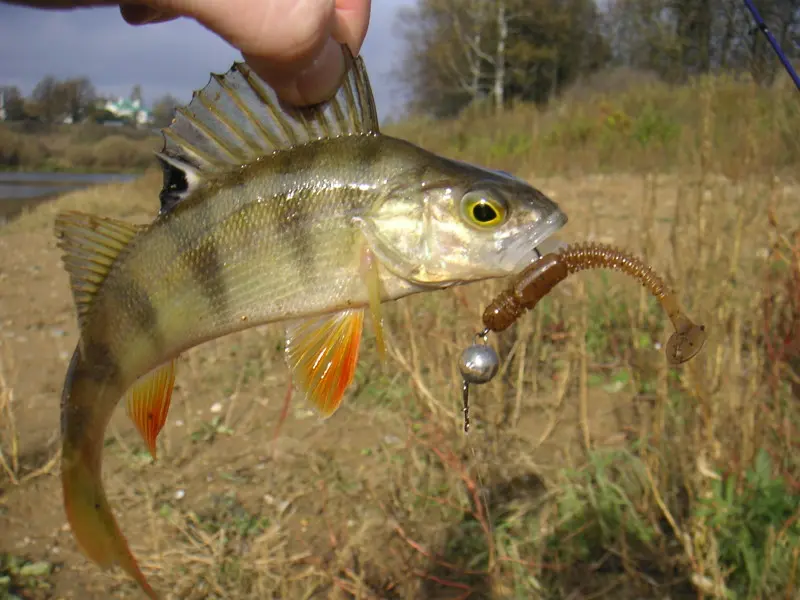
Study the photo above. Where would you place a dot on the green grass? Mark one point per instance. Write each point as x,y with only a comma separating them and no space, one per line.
21,578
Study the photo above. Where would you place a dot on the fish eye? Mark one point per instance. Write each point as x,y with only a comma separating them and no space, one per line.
483,209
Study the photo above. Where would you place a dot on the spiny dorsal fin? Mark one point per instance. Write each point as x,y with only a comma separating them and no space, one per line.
90,245
237,118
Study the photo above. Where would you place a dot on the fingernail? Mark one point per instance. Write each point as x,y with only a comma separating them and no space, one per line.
320,80
139,14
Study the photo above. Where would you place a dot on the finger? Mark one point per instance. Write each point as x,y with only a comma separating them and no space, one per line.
289,32
140,14
289,43
319,79
350,24
313,83
285,41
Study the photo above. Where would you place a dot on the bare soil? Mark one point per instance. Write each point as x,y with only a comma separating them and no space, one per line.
199,462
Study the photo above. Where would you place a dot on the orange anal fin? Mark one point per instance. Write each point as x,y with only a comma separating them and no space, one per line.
322,354
148,401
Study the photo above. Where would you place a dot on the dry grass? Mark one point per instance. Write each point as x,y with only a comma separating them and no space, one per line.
15,469
592,469
9,436
643,126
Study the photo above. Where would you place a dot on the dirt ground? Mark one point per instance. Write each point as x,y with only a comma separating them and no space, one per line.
38,334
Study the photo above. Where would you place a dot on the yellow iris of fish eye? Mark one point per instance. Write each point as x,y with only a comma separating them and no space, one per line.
484,210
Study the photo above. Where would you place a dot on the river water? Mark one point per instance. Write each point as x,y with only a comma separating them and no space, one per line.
23,191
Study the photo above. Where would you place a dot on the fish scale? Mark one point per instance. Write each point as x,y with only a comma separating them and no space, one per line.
310,217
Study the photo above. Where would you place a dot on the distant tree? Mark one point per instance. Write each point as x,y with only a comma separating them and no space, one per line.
48,101
97,113
445,49
553,43
164,110
136,93
13,102
681,38
79,97
463,51
53,100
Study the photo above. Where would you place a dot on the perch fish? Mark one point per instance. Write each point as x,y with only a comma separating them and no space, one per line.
268,213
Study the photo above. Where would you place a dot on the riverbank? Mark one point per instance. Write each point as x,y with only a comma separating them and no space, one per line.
13,208
23,191
137,198
86,147
72,171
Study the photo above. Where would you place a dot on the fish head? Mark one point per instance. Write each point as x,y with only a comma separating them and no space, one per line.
458,223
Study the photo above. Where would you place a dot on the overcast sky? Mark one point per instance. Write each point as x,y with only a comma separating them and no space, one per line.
164,58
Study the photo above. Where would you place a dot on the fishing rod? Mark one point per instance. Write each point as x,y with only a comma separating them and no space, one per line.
762,26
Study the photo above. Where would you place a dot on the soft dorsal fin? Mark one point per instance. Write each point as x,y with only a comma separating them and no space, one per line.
90,245
237,118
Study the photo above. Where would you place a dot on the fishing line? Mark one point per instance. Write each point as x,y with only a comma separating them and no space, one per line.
483,492
761,25
475,367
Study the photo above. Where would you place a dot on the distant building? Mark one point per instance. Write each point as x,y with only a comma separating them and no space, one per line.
3,113
125,108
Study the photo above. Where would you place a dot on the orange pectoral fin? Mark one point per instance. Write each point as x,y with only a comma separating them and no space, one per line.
322,354
148,401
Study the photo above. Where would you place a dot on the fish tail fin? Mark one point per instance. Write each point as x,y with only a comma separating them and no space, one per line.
88,512
91,520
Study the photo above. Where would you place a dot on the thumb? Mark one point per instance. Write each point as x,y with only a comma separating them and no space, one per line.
292,44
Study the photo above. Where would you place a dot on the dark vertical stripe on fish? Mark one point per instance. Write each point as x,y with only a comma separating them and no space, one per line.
65,393
203,261
92,371
368,153
294,225
99,363
208,270
140,309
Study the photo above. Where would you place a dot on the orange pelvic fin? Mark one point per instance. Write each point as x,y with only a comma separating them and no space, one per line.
147,403
322,354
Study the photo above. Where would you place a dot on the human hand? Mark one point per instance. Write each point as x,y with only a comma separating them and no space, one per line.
294,45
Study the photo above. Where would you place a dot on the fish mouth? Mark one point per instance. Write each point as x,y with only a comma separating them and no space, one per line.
520,254
526,249
516,257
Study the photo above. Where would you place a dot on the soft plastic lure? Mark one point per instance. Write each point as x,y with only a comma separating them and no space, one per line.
479,362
